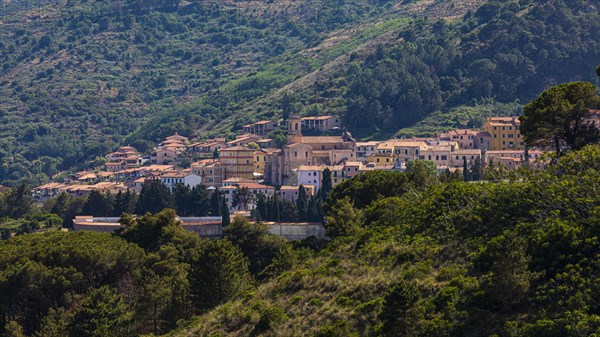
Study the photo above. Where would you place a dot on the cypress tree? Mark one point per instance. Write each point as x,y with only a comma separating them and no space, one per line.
225,212
215,204
465,170
302,203
326,184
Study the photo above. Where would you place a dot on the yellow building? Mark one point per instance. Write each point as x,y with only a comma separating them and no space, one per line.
237,162
505,132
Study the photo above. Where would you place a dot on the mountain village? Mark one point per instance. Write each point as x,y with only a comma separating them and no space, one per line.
252,161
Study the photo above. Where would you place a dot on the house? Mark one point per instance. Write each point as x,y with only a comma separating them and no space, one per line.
243,140
174,178
261,128
290,193
208,146
466,138
457,158
321,123
237,161
365,149
512,158
313,175
505,133
210,170
177,138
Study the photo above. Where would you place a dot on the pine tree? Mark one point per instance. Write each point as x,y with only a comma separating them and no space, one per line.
99,204
102,313
19,201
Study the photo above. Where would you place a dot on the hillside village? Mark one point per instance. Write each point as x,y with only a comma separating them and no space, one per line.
252,161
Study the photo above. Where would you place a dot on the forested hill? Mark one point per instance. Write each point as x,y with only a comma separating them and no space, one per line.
79,77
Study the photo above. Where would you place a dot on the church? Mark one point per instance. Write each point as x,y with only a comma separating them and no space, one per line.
281,165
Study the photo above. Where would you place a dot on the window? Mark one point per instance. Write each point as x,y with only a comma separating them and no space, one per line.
444,157
429,157
306,154
495,128
437,157
504,128
511,136
503,143
295,153
495,136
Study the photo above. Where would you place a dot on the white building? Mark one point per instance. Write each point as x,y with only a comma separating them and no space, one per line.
172,179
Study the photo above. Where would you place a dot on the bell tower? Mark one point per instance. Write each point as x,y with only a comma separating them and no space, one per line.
294,125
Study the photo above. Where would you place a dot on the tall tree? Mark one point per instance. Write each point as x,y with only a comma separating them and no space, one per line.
326,184
148,231
125,202
182,195
99,204
560,115
154,197
218,272
19,201
200,201
225,212
302,203
102,313
242,197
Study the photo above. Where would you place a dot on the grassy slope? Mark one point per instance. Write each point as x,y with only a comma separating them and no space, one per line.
344,283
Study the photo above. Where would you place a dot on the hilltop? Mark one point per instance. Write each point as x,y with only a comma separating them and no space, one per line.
80,77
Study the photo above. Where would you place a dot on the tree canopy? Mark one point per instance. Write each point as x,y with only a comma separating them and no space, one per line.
562,116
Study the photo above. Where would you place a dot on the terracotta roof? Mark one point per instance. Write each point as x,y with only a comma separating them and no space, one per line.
321,139
316,118
372,143
236,148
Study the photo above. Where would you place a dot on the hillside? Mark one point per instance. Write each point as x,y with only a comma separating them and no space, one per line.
81,77
516,258
411,254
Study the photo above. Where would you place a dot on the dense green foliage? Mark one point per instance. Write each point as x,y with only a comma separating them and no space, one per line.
505,51
142,280
78,77
562,115
512,258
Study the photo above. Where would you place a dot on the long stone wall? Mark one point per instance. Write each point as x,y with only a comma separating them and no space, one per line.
290,231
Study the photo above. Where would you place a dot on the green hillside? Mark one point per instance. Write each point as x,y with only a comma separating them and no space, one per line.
79,77
412,254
